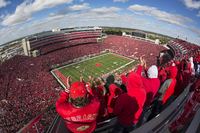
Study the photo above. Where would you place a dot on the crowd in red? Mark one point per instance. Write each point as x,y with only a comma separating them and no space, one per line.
181,47
27,87
145,86
133,48
59,41
141,90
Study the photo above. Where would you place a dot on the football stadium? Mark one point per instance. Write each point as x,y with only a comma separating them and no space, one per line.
98,79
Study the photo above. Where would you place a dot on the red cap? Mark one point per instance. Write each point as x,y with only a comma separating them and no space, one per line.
77,89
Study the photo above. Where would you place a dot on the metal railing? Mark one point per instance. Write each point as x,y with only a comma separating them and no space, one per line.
160,122
194,126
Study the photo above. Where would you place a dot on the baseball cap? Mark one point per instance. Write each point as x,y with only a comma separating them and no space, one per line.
77,89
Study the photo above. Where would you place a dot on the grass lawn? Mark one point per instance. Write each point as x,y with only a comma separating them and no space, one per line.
96,66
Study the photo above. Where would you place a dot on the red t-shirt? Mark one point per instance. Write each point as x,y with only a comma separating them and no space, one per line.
78,120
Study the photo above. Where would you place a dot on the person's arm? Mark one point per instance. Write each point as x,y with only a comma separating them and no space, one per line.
81,79
139,70
104,90
63,95
88,88
61,104
141,66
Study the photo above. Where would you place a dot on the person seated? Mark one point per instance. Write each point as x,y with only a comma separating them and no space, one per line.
78,108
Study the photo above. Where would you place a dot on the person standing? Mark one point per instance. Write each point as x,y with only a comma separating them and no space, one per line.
78,108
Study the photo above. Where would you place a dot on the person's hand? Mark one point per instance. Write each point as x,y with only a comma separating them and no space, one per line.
81,78
88,88
141,61
90,78
145,63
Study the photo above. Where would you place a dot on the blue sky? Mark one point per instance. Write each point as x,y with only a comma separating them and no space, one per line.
181,18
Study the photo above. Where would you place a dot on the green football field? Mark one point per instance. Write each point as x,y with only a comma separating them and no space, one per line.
97,66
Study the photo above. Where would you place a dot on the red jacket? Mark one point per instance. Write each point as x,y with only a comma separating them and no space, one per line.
136,90
125,109
151,86
78,120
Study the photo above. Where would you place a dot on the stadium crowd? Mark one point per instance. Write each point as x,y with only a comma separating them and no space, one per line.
24,86
27,87
143,86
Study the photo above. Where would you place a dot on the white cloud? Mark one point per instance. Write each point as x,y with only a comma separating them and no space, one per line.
120,1
109,17
104,10
80,7
87,9
161,15
193,4
25,10
70,19
4,3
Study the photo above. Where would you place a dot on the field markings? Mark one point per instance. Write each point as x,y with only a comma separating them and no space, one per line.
74,63
76,72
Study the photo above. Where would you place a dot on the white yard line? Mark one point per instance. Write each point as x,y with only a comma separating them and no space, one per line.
52,71
121,67
80,61
92,58
121,56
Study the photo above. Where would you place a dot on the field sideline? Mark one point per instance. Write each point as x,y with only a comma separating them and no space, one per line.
95,66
